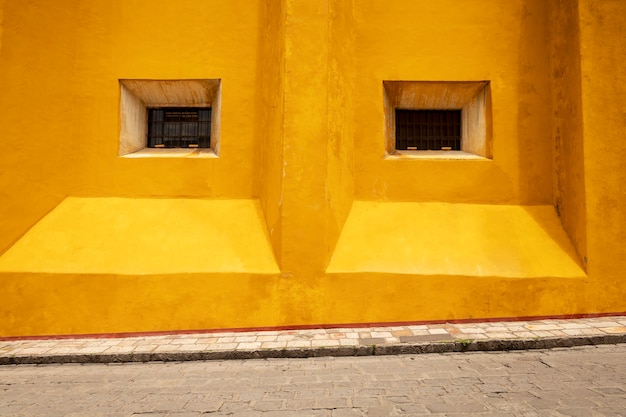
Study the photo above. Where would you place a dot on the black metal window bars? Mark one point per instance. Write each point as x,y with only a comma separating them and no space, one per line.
432,130
179,127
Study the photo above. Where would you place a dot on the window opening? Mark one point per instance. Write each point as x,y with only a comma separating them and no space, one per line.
428,130
179,127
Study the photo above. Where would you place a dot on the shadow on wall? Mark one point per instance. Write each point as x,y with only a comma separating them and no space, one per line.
533,112
567,127
23,204
554,232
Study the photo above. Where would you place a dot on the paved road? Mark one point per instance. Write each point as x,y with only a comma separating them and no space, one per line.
589,381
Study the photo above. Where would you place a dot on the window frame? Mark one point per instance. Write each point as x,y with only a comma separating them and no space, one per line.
161,130
139,95
428,130
473,98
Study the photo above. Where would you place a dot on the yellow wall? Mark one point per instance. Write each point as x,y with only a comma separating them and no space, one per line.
1,17
309,222
164,40
567,125
271,97
458,41
342,90
36,122
604,126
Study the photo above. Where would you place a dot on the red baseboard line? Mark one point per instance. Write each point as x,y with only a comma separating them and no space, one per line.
309,326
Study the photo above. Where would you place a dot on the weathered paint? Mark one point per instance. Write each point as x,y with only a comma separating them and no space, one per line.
270,93
604,126
301,173
567,123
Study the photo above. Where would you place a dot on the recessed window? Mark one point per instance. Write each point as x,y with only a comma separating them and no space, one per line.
170,118
437,119
428,130
179,127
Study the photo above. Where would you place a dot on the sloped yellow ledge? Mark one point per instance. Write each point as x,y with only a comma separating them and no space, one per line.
454,239
145,236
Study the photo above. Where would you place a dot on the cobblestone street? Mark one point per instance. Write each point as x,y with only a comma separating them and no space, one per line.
583,381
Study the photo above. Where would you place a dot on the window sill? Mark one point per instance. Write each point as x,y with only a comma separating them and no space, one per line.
450,155
172,153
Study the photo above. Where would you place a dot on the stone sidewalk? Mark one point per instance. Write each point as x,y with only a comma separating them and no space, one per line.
302,343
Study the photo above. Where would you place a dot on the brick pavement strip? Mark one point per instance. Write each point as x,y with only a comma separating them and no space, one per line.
409,339
580,381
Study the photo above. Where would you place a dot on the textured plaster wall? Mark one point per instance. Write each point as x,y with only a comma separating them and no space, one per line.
567,122
270,115
165,40
1,16
501,41
36,111
306,135
308,77
602,34
307,170
341,123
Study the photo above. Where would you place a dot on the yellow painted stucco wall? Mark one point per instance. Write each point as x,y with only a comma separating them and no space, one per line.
504,42
567,123
604,126
164,40
35,71
303,219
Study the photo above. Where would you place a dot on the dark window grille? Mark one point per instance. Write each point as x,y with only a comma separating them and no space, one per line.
179,127
428,130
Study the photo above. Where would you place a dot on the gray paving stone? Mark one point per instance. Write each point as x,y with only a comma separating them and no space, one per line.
230,406
396,399
371,392
380,411
543,404
455,408
588,381
578,402
280,395
255,394
369,341
610,391
310,393
413,409
204,406
301,413
332,403
611,411
426,338
365,402
576,412
268,405
300,404
347,412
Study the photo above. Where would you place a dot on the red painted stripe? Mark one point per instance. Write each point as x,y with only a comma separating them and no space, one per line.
309,326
